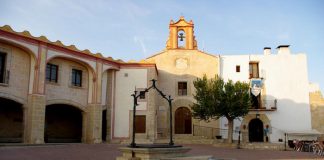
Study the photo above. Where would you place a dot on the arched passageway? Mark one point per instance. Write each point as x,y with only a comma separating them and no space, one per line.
63,124
11,121
256,130
183,122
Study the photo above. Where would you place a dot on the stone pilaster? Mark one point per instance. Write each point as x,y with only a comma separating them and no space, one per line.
35,119
108,131
151,121
109,102
317,110
40,71
94,123
151,114
93,115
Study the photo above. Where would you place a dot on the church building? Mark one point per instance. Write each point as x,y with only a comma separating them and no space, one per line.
50,92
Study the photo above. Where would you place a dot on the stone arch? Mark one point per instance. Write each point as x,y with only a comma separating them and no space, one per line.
13,98
245,125
107,100
22,46
66,102
80,61
90,75
64,123
31,51
11,121
256,130
107,83
182,121
181,103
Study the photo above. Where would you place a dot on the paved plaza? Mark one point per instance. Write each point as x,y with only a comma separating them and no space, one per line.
110,152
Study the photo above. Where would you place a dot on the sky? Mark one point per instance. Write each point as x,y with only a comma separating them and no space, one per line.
136,29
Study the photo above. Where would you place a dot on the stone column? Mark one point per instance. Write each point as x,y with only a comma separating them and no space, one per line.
110,102
151,113
36,102
174,37
94,123
84,127
151,121
189,36
35,119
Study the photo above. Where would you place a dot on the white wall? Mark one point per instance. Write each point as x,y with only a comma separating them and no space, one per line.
285,79
125,87
228,68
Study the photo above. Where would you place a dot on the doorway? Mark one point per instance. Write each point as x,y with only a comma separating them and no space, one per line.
104,126
183,122
11,121
63,124
256,130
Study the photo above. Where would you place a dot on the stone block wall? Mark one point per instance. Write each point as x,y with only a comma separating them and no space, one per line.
317,111
35,119
63,89
18,67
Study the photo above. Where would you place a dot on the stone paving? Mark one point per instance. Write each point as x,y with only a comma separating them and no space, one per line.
110,152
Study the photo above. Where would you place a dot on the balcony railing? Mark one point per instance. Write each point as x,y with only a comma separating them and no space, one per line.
267,105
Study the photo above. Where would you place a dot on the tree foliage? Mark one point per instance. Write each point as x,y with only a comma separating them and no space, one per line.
216,98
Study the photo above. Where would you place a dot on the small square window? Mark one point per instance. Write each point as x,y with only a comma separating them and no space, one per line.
142,95
182,88
238,68
76,77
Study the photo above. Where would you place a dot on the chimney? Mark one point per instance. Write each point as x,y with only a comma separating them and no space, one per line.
283,50
267,50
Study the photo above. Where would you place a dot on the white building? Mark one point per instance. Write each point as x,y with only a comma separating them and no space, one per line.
282,105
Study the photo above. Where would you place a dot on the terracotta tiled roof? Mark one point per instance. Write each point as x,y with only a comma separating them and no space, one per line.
44,39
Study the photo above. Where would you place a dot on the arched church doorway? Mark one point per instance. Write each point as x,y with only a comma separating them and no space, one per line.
256,130
11,121
63,124
183,123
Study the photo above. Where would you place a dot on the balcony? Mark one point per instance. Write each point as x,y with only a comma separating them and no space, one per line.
266,105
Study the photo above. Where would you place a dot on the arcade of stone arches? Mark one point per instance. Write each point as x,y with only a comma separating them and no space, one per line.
64,123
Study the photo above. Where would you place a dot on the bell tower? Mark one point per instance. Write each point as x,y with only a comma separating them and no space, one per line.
181,35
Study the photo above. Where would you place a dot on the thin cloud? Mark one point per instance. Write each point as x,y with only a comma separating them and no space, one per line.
141,43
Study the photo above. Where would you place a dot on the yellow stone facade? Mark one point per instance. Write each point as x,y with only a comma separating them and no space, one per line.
317,111
26,95
182,64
